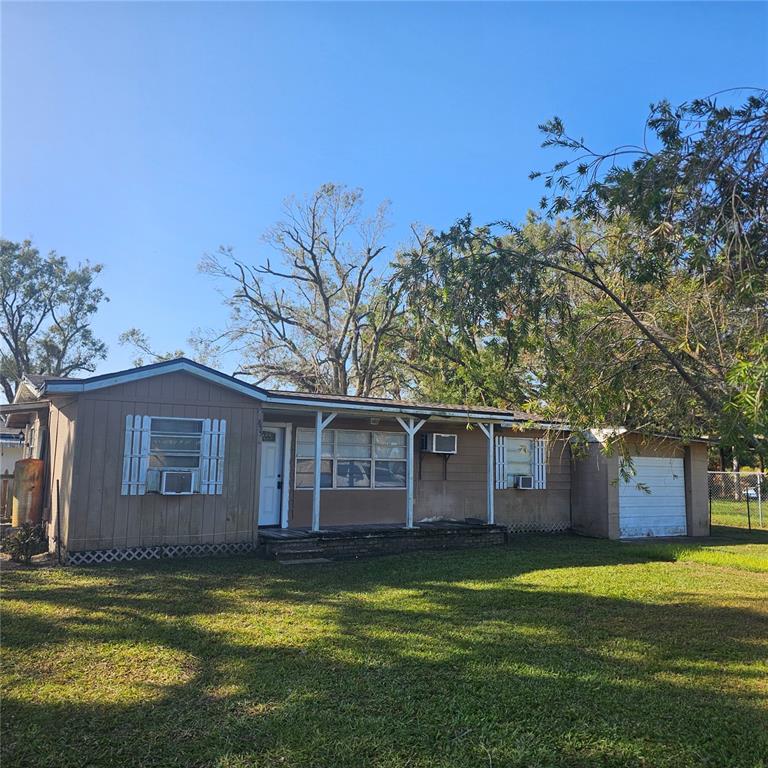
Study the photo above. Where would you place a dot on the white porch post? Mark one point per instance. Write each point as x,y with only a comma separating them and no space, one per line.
488,432
320,424
411,427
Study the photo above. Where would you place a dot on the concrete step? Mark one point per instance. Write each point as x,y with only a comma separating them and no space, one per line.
280,552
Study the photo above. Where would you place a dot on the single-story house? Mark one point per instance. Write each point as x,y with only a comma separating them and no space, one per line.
11,449
181,456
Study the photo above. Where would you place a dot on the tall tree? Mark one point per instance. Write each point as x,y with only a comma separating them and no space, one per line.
318,317
46,310
145,354
650,307
688,211
466,337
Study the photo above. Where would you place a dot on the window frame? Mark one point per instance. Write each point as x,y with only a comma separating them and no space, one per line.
371,460
160,433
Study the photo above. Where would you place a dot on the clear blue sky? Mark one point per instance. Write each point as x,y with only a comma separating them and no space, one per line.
141,135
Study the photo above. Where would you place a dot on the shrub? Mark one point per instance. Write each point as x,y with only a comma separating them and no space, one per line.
27,540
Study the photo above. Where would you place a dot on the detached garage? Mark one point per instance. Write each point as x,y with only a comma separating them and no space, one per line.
666,495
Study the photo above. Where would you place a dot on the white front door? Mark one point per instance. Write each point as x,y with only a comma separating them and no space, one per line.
270,487
652,503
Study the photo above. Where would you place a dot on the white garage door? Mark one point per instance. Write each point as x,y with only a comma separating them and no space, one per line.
660,512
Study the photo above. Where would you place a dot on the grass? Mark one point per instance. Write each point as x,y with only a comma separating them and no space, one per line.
555,651
731,513
728,547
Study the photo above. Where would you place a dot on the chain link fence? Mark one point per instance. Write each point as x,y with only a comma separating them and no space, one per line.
738,499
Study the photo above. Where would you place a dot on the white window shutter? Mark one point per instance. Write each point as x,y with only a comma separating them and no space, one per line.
212,456
501,473
127,455
205,457
540,464
144,455
220,457
135,455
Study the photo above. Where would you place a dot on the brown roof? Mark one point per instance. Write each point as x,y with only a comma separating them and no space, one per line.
387,402
38,381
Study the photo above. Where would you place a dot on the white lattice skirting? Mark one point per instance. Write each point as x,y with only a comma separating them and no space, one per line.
99,556
539,527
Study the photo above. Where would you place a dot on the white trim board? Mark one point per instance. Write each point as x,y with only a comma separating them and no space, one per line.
174,366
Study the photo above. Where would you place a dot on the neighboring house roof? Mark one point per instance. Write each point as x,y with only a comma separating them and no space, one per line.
16,414
38,380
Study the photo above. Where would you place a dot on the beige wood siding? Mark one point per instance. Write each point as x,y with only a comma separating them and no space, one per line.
102,518
697,489
62,428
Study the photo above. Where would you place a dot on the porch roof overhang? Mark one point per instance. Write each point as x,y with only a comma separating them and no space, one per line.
301,403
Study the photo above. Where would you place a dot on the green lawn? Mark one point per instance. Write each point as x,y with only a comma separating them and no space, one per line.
555,651
734,513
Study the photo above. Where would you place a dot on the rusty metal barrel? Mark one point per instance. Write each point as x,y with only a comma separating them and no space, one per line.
27,492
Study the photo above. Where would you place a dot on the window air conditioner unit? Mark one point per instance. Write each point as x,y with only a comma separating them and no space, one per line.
524,482
176,482
432,442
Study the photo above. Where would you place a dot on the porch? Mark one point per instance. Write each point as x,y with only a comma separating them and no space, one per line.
294,545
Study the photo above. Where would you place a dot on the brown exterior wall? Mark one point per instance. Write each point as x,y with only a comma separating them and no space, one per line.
595,504
99,517
596,489
462,494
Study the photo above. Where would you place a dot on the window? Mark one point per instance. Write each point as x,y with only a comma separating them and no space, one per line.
175,443
389,452
154,444
352,459
305,459
29,453
520,456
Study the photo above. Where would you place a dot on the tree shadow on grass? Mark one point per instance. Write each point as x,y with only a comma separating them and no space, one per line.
726,534
439,660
